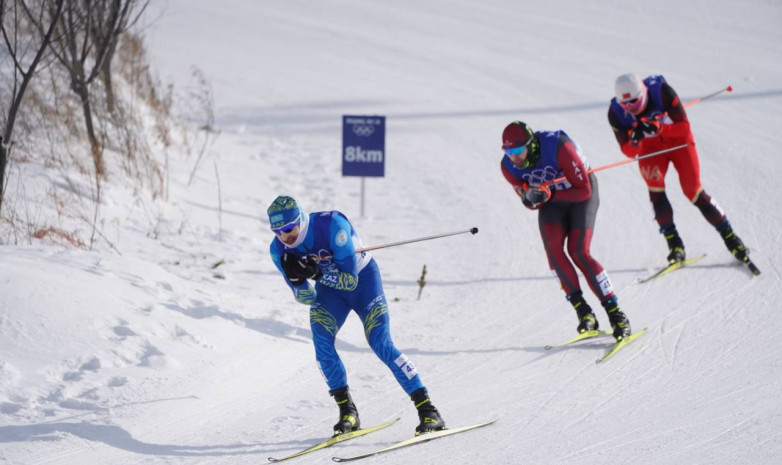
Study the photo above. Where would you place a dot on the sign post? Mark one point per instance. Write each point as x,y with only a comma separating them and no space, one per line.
363,148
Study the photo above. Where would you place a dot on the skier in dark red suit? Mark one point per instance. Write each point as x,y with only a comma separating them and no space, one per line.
566,214
647,116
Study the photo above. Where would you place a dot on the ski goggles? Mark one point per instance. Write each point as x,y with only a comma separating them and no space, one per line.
632,105
515,151
287,228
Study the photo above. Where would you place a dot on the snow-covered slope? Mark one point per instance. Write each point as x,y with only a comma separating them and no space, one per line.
187,347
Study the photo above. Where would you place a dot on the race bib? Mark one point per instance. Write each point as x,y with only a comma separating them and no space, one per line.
406,365
605,283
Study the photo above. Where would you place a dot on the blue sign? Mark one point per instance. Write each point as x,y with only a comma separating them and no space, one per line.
363,145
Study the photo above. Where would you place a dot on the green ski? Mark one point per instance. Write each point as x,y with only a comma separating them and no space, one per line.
616,347
672,267
585,335
416,440
334,440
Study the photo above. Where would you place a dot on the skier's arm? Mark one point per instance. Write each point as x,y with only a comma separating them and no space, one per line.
303,293
676,112
343,273
573,168
518,185
622,135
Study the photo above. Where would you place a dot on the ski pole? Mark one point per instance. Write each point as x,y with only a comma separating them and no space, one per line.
393,244
621,162
692,102
410,241
699,100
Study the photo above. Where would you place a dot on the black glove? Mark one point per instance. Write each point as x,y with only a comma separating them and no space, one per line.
534,197
300,269
636,134
651,126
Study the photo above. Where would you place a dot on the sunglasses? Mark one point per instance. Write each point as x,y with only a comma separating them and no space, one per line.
515,151
287,228
632,101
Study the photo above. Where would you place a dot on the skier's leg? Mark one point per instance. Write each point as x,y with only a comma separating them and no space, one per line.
371,305
553,225
327,315
653,171
687,165
369,302
581,217
582,220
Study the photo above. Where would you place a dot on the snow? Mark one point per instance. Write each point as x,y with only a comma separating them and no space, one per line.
148,353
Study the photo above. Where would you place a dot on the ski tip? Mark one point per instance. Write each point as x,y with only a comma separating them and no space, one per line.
753,269
620,344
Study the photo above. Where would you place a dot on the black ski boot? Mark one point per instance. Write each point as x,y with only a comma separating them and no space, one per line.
733,243
619,322
586,319
430,419
348,413
675,245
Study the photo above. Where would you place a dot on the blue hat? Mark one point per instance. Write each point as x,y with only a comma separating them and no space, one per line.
283,211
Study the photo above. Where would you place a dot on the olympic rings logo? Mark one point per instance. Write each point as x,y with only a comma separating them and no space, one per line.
539,176
363,130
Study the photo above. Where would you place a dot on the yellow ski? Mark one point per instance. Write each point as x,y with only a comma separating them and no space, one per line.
672,267
335,440
616,347
416,440
585,335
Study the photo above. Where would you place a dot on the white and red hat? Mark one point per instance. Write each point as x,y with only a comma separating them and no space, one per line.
631,93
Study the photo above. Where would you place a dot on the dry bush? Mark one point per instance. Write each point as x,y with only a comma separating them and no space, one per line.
58,236
50,132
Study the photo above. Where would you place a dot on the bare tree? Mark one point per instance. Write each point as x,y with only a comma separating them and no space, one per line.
18,25
76,51
112,19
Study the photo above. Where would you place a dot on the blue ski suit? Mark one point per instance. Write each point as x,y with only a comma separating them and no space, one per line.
350,281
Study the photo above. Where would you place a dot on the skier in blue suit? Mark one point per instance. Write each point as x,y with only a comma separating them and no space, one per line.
322,246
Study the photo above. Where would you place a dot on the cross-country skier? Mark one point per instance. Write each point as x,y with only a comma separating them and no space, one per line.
566,214
647,116
322,246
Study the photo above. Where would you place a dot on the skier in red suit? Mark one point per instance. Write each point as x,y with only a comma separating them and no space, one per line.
647,116
566,214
